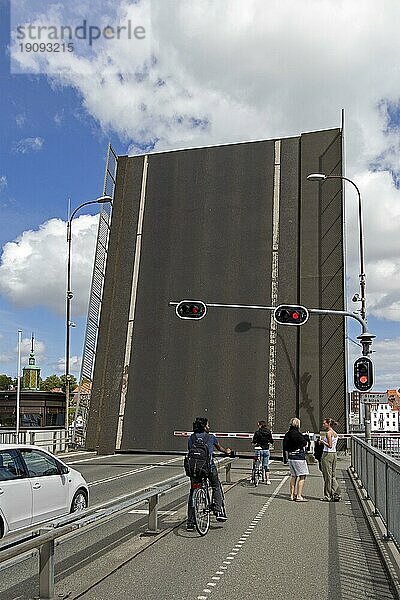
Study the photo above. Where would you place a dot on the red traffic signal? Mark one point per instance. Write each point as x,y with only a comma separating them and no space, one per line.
191,309
287,314
363,374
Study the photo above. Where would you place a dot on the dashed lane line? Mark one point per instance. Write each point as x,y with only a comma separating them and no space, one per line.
133,472
145,511
229,559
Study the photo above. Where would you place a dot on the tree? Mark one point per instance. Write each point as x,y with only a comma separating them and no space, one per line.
72,383
51,382
5,382
54,381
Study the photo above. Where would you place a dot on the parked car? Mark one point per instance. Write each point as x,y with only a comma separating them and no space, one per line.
36,486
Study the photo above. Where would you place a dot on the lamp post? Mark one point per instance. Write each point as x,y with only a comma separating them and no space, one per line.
69,296
365,338
18,388
323,177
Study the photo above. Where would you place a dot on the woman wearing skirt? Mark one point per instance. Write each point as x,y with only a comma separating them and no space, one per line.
294,445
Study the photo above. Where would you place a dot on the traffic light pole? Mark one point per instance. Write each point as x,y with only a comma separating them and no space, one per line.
366,338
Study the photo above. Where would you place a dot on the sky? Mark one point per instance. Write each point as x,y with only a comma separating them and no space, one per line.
185,73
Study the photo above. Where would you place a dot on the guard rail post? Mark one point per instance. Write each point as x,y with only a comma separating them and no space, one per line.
46,568
152,523
228,473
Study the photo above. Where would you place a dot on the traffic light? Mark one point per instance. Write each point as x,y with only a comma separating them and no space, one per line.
191,309
363,374
287,314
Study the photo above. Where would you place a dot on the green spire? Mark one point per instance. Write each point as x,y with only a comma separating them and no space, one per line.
31,373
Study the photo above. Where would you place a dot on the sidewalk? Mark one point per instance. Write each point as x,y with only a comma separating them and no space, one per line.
315,550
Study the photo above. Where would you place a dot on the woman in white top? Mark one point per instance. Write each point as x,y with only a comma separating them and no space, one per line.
328,463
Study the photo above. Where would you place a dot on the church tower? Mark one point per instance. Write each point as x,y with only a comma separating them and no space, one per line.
31,373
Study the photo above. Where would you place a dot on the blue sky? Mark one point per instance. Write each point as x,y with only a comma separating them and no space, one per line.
209,73
69,165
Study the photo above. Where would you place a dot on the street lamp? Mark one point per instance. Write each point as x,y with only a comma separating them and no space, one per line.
322,177
69,296
366,338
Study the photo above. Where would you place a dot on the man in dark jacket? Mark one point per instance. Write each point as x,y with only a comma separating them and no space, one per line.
201,429
263,438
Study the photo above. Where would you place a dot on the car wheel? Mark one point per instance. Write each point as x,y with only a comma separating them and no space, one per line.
79,501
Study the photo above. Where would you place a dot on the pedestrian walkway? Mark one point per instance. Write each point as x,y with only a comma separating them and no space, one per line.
269,548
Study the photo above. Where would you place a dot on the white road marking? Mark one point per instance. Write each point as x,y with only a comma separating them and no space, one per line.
143,511
97,457
133,472
229,558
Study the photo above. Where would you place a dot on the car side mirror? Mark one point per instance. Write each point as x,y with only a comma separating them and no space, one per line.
64,470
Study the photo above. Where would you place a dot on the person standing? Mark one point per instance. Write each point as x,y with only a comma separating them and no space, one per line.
263,438
294,444
328,462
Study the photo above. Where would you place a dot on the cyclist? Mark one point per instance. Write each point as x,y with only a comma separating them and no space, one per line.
262,438
201,429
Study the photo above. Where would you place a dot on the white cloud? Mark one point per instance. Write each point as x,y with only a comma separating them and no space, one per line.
59,117
30,144
6,357
74,365
258,71
3,182
26,345
20,120
232,70
386,363
33,267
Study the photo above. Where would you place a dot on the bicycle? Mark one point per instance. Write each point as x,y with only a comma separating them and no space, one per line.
203,506
257,472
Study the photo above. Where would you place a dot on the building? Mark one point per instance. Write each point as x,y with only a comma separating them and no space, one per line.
385,414
38,409
385,410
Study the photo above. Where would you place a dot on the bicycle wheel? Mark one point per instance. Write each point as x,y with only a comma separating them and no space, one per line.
255,475
201,511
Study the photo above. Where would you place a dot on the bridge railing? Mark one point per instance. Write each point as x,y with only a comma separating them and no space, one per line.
53,440
42,539
379,475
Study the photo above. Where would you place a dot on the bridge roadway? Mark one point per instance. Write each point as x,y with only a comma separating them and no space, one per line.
270,547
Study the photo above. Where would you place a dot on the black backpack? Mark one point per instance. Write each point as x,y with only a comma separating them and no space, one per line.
318,452
197,462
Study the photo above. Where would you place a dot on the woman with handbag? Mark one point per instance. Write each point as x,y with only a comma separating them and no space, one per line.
294,444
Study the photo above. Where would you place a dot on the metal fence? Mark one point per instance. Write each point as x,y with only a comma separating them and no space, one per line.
42,540
389,444
52,440
379,475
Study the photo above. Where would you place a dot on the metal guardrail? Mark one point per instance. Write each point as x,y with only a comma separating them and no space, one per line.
53,440
43,539
379,475
389,444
